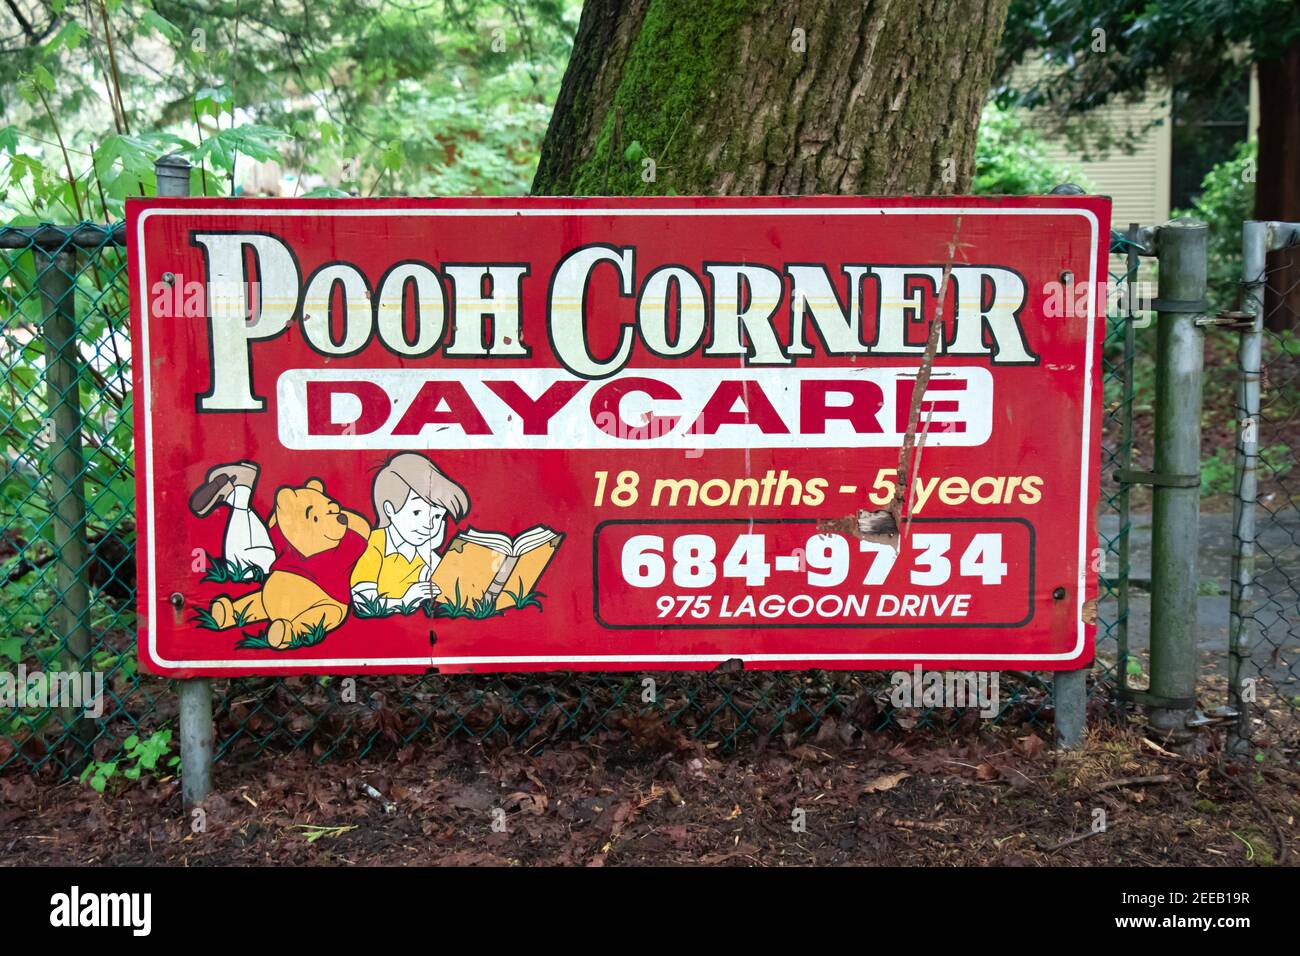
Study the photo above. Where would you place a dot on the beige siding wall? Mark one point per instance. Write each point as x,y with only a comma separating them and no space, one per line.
1138,180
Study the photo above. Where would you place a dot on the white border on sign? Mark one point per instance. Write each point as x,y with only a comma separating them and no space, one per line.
433,661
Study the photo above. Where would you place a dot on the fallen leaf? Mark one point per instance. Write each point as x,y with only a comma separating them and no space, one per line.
534,803
1031,745
886,781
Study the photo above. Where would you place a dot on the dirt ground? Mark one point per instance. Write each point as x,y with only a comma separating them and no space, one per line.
648,795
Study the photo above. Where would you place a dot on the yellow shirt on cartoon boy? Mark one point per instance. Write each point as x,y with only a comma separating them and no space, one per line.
392,568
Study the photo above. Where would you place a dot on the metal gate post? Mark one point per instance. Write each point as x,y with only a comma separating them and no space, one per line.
1182,248
1254,252
195,693
1258,239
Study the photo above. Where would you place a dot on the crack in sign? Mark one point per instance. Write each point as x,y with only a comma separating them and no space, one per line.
903,487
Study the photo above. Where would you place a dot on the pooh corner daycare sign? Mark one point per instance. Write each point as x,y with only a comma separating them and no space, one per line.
486,435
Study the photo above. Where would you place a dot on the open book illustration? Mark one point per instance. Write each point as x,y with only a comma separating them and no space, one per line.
487,564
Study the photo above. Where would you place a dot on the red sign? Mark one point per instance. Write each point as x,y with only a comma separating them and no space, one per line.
526,434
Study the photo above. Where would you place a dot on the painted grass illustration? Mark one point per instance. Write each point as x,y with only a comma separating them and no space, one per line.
482,608
522,600
204,619
258,642
375,607
223,571
456,605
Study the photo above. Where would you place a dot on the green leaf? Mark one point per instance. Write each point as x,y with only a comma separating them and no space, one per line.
152,20
42,78
69,37
12,648
212,101
256,142
393,156
325,192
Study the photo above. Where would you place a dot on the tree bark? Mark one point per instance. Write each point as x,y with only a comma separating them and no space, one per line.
726,97
1277,186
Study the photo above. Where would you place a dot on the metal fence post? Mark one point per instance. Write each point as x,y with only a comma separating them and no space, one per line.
1180,302
195,693
67,487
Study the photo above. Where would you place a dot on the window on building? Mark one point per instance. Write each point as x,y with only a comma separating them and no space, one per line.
1207,126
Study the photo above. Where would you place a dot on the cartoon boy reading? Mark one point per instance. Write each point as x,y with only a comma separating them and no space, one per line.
413,499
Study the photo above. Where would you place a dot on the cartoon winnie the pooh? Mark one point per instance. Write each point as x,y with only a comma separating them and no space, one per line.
307,550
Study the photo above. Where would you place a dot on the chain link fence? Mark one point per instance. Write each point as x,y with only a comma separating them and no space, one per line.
1120,370
67,570
1264,631
67,567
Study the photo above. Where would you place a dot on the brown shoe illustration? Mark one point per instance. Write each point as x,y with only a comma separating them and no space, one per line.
219,482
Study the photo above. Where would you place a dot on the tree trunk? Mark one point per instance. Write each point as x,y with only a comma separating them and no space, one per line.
721,97
1277,186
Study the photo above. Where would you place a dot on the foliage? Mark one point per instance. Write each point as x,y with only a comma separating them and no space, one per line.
394,96
1196,45
1218,469
140,755
1226,201
1010,159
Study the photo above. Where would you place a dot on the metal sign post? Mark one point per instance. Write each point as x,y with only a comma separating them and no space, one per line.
194,693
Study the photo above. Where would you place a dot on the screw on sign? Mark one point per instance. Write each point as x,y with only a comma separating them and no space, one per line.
616,434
